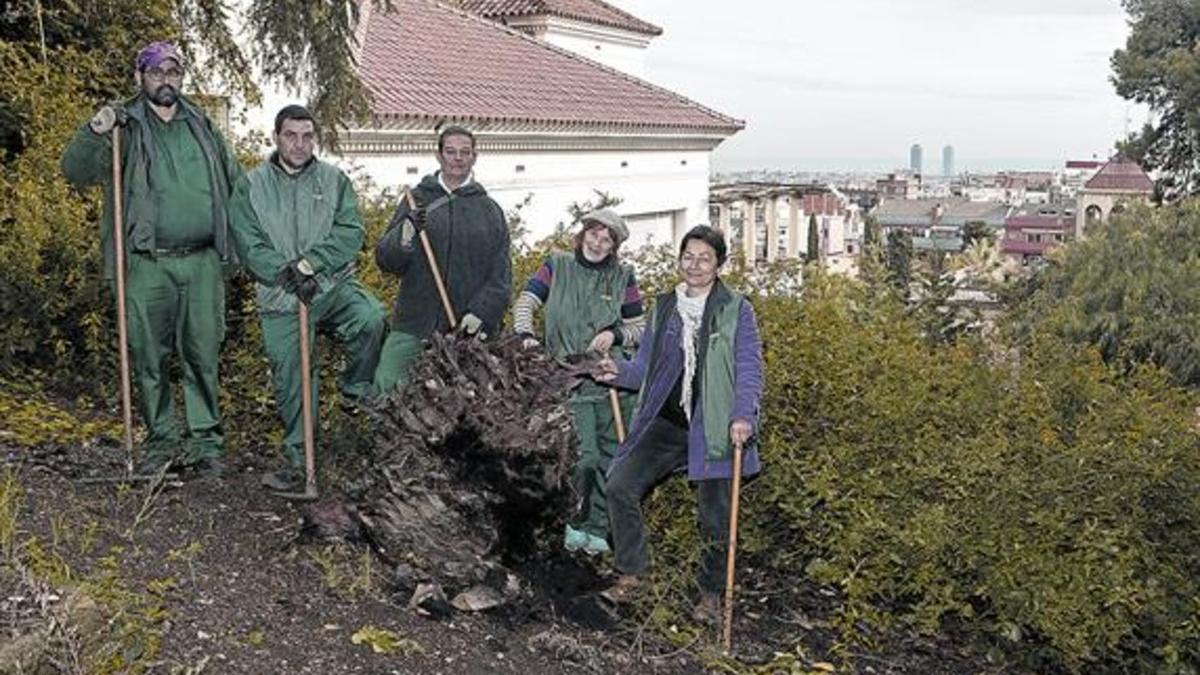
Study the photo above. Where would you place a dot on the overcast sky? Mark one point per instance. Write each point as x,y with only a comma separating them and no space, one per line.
851,84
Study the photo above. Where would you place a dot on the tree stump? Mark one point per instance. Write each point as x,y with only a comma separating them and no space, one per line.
468,462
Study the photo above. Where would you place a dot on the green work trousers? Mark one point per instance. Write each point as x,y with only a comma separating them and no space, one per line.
176,304
399,351
597,433
356,320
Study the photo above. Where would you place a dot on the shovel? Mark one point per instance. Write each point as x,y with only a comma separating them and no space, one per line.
310,452
579,365
615,402
433,265
731,556
122,320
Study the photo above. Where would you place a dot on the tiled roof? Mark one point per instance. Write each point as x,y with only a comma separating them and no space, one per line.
427,60
1083,164
1050,222
1121,175
591,11
919,212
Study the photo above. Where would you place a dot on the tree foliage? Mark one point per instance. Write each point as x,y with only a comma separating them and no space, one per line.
870,231
899,256
53,304
1131,289
1160,67
49,38
308,47
812,249
941,317
975,231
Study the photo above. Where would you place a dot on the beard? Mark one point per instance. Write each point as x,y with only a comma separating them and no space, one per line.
165,96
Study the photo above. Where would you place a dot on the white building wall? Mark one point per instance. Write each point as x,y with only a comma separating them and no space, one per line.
622,50
834,230
663,193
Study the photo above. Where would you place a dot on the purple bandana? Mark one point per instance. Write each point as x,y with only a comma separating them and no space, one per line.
153,54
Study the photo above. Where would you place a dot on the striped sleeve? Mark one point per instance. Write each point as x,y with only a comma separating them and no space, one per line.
633,314
539,284
523,310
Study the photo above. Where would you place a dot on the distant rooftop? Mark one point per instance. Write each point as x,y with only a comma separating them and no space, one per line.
954,212
589,11
1121,175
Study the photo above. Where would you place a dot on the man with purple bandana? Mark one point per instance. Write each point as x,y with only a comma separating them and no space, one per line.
177,175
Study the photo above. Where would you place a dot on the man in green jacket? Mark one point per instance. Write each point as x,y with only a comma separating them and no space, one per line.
177,173
470,241
296,224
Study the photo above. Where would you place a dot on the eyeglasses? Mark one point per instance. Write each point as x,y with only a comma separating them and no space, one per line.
702,260
159,74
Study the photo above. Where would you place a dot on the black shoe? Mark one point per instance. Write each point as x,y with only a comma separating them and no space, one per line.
152,465
287,479
351,407
708,609
209,467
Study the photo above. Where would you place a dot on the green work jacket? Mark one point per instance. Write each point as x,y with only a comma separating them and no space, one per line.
277,217
87,161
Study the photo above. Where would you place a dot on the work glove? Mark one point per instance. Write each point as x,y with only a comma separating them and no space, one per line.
291,275
528,341
307,289
414,222
602,342
107,117
471,325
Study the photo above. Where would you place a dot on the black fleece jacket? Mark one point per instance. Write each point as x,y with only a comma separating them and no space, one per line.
470,240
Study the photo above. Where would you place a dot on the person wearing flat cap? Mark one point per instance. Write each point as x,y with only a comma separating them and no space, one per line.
592,304
177,175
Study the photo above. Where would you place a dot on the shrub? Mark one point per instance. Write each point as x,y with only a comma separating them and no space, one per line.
53,304
1131,288
1047,501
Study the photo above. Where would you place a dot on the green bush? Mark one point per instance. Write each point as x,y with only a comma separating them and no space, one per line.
1132,288
53,304
1042,499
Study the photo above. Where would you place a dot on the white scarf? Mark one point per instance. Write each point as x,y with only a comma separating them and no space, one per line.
691,312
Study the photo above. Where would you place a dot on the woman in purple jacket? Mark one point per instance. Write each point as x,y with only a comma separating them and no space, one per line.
699,374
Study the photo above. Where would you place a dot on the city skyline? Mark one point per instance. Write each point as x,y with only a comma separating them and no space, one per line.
851,86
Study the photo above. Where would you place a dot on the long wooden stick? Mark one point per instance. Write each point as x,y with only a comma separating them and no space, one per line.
306,407
433,265
731,556
615,402
122,318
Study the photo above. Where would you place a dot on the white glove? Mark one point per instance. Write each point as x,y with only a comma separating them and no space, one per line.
529,343
106,118
471,325
602,342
